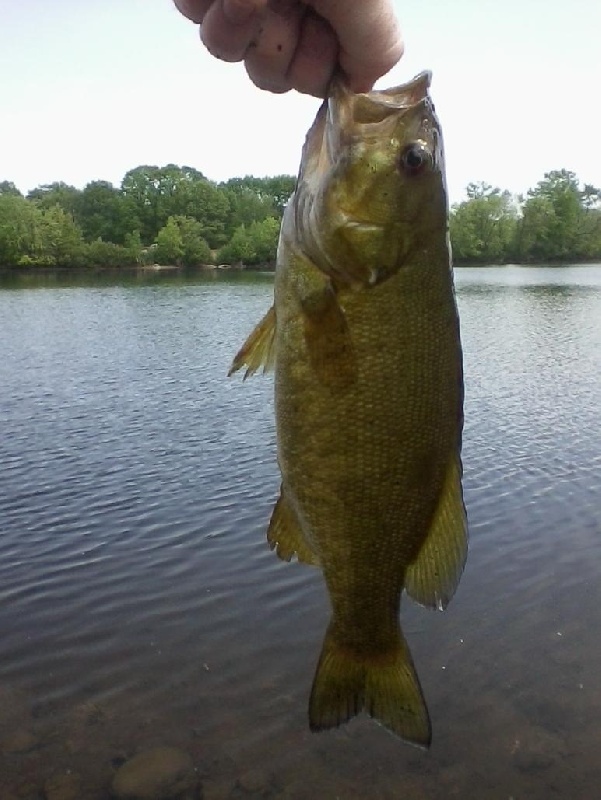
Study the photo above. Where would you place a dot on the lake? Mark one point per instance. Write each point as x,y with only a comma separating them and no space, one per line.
140,604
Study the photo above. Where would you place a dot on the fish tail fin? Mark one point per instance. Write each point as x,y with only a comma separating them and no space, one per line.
384,685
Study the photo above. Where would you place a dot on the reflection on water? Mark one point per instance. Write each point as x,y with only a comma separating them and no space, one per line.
140,605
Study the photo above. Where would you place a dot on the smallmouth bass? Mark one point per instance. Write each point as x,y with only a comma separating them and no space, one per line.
364,340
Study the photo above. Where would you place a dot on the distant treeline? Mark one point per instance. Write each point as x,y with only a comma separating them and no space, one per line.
175,216
556,221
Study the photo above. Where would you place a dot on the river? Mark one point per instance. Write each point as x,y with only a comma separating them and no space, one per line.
140,604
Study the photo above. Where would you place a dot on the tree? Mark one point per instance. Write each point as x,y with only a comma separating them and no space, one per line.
204,202
20,231
169,244
239,249
57,194
62,241
591,197
482,228
174,213
31,236
255,199
154,194
107,255
104,214
8,187
252,244
273,191
246,206
134,247
265,235
196,250
140,188
280,187
559,220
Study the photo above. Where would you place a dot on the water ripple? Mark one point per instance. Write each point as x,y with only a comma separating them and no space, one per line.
137,483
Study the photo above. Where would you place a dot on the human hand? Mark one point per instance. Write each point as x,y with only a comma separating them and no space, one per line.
289,44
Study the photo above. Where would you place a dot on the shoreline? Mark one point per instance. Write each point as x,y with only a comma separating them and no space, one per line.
251,268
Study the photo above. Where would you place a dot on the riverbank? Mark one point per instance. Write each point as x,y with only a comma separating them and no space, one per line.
36,269
142,271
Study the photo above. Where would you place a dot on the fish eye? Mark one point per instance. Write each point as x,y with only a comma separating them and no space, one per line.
415,158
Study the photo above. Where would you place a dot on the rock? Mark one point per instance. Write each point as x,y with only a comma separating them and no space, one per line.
163,773
63,787
537,750
218,789
28,791
14,706
20,741
254,781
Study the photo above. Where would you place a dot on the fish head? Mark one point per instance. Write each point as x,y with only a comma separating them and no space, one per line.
371,190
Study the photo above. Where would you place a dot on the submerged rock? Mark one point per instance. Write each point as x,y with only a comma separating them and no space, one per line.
163,773
255,781
14,707
63,787
537,750
218,789
21,740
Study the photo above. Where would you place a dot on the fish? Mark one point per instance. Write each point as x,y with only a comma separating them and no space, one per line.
364,341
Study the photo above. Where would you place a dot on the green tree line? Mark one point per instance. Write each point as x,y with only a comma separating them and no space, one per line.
167,215
557,221
175,215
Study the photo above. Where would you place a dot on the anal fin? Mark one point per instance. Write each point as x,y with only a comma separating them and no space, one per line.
259,349
434,575
285,535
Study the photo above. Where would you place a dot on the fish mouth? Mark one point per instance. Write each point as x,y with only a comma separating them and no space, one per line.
347,108
348,118
406,94
353,158
345,114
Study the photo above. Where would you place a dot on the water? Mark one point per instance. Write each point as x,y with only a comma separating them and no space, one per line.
140,605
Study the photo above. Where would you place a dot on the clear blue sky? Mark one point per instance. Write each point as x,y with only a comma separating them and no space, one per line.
90,89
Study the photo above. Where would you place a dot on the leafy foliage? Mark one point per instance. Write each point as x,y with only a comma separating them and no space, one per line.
180,242
483,227
107,254
558,221
103,214
169,243
57,194
8,187
252,244
30,235
175,215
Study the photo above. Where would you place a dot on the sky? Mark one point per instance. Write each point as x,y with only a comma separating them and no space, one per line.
89,90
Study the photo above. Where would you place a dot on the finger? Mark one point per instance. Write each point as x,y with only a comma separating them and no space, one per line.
369,37
268,60
315,58
193,9
235,10
229,27
238,12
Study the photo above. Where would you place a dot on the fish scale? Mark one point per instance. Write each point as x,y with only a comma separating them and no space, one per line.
364,340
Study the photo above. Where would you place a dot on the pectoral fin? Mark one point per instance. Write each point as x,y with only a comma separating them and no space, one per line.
285,534
328,339
433,577
259,349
